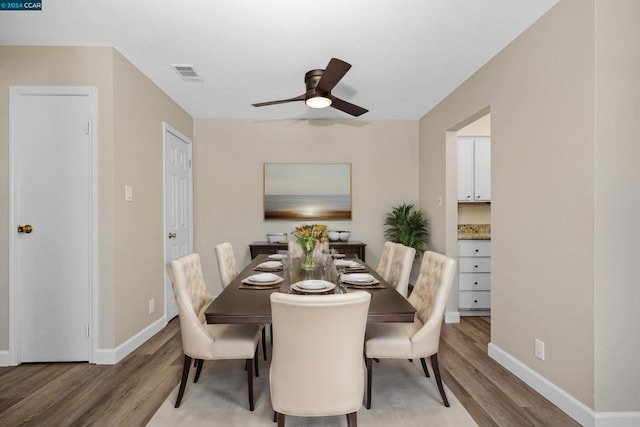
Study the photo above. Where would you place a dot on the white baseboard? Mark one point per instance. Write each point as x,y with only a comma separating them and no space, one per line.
563,400
107,356
5,360
452,317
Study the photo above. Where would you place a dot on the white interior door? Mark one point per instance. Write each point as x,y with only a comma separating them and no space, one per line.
51,224
178,205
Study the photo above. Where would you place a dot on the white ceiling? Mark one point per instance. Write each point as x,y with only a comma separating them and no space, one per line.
406,55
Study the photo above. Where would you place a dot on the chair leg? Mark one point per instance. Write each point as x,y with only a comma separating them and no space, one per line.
271,333
280,419
424,367
369,376
249,364
436,371
352,419
264,344
183,381
275,416
255,362
198,363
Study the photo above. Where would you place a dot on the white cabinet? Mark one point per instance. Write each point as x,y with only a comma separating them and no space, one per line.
474,169
474,280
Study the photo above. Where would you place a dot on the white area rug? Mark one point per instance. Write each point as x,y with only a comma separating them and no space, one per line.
402,396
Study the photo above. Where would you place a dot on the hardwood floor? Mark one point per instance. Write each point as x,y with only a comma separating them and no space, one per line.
129,393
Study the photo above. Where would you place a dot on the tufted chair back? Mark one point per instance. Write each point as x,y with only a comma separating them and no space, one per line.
429,297
317,367
400,268
226,263
192,298
384,265
295,250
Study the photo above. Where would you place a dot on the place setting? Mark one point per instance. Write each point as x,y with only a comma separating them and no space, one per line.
350,266
269,266
308,287
261,281
360,281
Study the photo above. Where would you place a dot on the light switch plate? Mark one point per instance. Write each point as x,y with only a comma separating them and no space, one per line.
128,193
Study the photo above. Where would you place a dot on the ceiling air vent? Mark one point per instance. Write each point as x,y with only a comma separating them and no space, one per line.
187,73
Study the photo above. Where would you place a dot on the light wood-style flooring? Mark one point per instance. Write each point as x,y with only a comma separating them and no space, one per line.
129,393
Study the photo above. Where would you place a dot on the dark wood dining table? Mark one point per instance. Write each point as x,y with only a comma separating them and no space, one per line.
237,304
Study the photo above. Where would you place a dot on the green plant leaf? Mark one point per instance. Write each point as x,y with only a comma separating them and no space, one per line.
407,225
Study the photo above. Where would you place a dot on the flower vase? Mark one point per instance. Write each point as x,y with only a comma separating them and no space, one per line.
308,263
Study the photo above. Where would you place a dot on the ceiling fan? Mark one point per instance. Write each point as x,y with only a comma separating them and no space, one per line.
319,85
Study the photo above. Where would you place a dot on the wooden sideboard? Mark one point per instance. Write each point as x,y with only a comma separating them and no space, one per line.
350,249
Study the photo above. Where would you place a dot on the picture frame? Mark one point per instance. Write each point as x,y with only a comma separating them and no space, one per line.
308,191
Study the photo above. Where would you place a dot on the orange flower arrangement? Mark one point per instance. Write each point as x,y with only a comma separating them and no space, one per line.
308,235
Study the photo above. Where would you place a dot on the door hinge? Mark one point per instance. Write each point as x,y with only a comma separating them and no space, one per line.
86,128
88,335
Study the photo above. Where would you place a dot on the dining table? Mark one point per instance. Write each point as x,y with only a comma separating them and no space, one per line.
240,302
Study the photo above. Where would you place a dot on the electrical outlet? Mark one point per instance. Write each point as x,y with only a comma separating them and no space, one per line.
539,349
152,305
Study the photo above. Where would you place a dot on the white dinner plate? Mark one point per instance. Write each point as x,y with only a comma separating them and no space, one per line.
346,263
358,278
264,278
313,286
270,265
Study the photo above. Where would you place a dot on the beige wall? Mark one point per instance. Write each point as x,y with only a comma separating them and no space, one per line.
617,234
130,115
540,93
564,98
138,237
228,163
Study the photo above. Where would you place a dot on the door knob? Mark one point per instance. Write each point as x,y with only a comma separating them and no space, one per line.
172,235
27,228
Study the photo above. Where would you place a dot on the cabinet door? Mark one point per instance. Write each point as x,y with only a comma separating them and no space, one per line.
482,170
465,170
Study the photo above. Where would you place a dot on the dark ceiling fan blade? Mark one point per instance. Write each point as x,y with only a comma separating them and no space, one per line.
347,107
282,101
336,69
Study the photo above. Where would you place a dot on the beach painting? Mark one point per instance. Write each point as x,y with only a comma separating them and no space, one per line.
307,191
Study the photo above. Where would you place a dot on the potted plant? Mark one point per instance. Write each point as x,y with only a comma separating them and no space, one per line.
408,225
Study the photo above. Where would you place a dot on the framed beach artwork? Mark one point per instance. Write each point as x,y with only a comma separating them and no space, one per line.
307,191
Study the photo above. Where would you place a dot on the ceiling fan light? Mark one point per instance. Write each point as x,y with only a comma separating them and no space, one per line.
318,102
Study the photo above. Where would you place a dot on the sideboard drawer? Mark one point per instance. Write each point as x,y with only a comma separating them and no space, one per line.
475,281
471,248
475,265
474,300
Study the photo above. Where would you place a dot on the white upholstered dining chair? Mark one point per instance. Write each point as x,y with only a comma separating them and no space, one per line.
421,338
384,265
202,341
228,269
317,367
400,268
227,265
